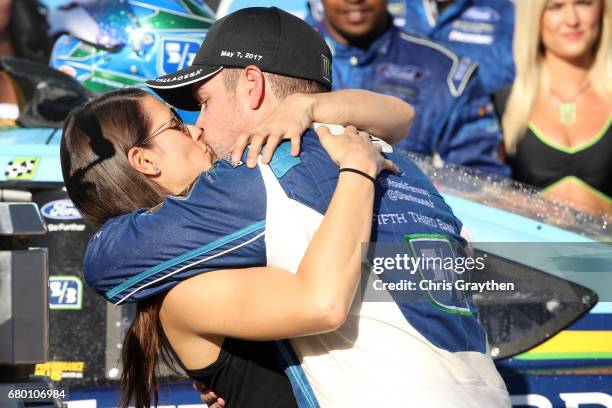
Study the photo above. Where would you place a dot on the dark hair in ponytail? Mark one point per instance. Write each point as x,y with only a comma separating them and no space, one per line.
93,152
143,348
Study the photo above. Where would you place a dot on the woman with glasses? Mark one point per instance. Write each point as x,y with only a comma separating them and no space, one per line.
195,263
107,143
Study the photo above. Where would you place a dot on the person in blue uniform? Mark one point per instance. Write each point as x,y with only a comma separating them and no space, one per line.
107,136
455,120
222,254
235,217
479,29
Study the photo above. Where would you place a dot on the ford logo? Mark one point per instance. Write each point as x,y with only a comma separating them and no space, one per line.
60,210
405,73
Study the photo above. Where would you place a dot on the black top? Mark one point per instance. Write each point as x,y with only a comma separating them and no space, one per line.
542,163
246,374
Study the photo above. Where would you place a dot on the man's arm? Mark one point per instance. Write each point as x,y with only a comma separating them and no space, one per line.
472,136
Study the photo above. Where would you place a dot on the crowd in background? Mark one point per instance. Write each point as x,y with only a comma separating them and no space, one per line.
521,89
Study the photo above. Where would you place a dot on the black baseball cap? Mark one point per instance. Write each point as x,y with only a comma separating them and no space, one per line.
270,38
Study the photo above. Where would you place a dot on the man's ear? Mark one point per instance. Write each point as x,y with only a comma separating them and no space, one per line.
143,161
253,86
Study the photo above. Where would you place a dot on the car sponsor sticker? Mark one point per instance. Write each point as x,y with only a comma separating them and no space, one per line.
60,370
65,293
177,54
21,168
60,210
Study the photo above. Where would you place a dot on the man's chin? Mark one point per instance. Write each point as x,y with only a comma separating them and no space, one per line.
220,151
359,38
215,158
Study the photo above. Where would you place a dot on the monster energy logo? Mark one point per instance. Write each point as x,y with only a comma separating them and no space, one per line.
326,68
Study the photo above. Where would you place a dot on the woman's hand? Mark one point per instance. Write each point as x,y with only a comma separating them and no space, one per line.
288,121
353,149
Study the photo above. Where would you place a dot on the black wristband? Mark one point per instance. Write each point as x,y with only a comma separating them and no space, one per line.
361,173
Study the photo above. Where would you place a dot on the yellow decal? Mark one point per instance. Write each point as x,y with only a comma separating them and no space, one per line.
60,370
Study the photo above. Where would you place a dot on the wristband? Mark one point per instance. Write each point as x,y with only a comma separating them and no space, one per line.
361,173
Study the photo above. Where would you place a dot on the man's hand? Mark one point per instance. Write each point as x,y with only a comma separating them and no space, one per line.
288,121
208,396
353,149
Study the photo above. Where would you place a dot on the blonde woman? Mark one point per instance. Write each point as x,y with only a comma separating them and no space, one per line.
557,123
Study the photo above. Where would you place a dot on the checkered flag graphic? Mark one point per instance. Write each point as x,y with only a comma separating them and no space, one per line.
20,168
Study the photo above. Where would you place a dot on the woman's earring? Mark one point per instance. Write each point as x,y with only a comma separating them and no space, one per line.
156,170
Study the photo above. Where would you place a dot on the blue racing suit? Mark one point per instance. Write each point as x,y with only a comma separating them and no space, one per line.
454,115
427,338
479,29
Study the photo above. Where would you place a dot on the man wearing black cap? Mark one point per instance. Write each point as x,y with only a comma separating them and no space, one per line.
276,53
420,352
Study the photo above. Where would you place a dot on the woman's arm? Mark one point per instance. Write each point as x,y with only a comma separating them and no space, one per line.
271,303
383,116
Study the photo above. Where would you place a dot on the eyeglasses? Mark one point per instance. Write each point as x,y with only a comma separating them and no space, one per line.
178,125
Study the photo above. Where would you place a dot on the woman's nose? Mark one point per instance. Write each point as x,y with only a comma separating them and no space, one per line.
195,132
571,15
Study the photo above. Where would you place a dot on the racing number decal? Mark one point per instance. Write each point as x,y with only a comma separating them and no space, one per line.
436,273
